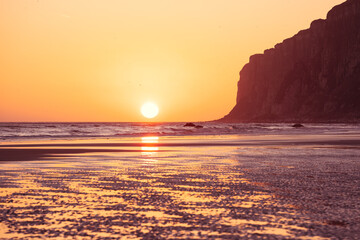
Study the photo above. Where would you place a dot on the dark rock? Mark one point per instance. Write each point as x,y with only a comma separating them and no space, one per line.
313,76
193,125
297,125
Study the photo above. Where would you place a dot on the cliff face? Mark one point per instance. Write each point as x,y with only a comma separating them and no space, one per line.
313,76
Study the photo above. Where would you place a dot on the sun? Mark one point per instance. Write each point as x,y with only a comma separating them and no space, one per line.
149,110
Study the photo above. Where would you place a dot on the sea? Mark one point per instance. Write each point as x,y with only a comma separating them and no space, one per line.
75,130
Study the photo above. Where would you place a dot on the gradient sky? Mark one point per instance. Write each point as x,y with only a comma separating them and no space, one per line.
86,60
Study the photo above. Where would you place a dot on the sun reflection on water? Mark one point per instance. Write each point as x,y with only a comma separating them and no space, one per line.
151,139
149,152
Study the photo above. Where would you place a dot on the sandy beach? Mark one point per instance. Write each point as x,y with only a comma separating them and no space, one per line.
194,187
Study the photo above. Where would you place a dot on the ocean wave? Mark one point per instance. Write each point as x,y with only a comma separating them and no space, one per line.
111,130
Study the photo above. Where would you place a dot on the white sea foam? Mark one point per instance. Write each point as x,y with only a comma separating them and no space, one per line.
109,130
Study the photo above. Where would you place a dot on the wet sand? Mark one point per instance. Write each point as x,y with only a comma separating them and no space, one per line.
219,187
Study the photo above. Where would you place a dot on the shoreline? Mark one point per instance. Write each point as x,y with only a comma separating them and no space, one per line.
36,149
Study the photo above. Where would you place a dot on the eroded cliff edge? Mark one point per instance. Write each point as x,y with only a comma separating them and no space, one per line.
312,77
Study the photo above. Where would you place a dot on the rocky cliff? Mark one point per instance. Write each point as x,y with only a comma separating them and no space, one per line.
313,76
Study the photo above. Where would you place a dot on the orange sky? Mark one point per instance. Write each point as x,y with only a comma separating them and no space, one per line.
86,60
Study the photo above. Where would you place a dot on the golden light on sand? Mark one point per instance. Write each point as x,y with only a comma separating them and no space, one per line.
149,110
148,152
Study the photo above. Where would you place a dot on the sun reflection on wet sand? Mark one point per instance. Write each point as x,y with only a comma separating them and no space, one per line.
191,192
149,153
149,150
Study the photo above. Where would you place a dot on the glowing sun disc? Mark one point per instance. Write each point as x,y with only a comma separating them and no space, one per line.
149,110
